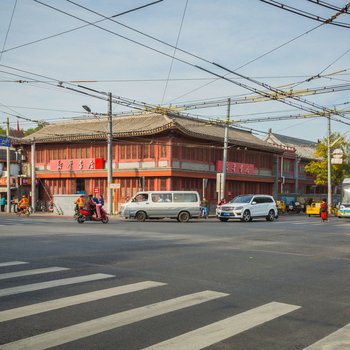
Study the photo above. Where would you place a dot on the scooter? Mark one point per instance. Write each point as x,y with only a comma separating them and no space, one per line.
85,215
25,211
76,213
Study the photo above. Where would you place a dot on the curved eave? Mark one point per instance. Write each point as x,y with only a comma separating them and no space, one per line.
220,139
96,136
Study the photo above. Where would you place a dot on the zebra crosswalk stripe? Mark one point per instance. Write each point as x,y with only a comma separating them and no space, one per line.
85,329
218,331
31,272
74,300
12,263
51,284
335,341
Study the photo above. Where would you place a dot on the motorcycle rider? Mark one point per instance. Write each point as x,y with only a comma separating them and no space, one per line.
23,204
90,205
80,202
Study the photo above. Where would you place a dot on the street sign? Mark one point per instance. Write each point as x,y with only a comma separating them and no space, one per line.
96,190
114,186
5,141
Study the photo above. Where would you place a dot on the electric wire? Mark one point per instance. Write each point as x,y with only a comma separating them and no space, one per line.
195,56
176,44
77,28
206,70
326,5
340,73
310,15
129,103
8,29
336,60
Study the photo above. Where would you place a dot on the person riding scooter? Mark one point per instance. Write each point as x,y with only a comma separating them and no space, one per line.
91,205
23,204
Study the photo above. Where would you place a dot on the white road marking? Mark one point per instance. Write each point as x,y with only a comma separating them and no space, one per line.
12,263
31,272
98,325
339,340
51,284
221,330
74,300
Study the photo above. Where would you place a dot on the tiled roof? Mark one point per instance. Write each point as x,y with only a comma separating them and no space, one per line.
142,125
303,148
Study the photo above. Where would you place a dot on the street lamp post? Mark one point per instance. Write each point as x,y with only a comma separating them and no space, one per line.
109,152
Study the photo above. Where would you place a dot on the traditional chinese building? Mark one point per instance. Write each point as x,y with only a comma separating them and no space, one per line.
150,152
293,180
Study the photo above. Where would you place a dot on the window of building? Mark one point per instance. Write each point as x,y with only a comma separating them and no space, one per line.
163,184
288,165
175,152
133,151
163,151
80,186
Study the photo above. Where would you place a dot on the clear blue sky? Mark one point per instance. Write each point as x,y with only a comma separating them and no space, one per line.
231,33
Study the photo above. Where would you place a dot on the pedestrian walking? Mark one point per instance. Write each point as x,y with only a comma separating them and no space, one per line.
204,208
2,203
324,210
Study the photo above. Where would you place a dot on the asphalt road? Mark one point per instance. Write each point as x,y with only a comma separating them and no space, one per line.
203,284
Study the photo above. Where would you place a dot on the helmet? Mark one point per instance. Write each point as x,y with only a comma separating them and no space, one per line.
24,196
81,195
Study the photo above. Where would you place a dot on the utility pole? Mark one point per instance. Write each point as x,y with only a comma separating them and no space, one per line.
224,160
8,209
329,169
109,155
33,174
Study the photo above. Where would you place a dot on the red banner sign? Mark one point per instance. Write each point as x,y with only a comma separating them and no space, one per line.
235,168
77,164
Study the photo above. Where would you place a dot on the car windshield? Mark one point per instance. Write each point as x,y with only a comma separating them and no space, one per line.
241,199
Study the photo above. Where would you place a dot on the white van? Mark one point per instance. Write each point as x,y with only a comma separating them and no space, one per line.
180,205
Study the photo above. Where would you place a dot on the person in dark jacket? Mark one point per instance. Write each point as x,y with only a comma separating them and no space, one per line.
90,205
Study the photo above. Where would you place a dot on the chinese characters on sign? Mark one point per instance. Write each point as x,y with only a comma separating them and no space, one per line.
77,164
236,168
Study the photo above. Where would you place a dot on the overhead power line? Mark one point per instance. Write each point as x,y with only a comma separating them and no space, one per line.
312,16
263,93
327,5
80,27
257,98
8,29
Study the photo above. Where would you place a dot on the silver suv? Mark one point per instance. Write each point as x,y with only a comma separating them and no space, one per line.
247,207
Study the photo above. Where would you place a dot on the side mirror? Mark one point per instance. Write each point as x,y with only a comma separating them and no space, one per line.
253,203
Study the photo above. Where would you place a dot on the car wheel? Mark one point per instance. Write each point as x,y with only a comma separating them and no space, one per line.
223,219
270,216
246,216
141,216
184,216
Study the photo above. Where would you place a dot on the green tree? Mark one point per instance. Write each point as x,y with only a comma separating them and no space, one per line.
33,130
318,168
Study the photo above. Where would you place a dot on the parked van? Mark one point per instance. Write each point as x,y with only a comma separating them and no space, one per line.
180,205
